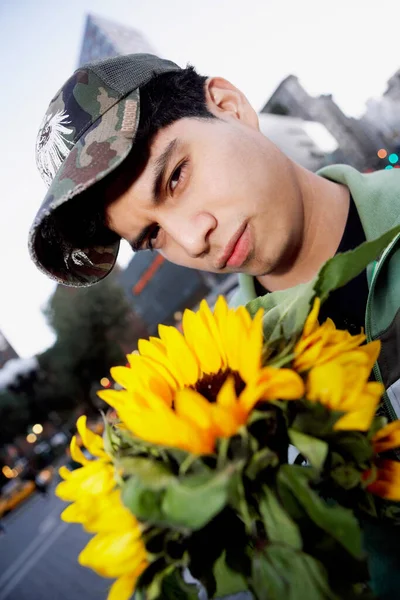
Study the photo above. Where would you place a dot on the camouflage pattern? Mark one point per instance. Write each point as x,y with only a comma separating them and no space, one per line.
88,130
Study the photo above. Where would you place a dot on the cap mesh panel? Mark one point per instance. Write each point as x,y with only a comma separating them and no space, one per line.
127,73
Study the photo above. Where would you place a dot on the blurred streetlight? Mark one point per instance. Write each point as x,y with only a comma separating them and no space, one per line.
31,438
7,472
37,429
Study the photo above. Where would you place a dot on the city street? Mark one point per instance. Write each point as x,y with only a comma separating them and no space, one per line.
38,555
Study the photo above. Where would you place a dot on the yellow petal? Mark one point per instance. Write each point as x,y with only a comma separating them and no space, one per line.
124,376
194,407
227,422
180,355
146,363
227,395
201,342
155,350
123,587
93,442
233,339
64,472
94,478
243,314
79,511
282,384
325,384
76,453
113,555
251,350
115,398
355,420
387,484
220,315
387,438
312,319
211,322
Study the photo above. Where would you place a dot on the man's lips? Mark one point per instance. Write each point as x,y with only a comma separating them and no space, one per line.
237,249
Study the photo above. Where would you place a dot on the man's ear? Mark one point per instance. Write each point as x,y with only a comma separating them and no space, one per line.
225,100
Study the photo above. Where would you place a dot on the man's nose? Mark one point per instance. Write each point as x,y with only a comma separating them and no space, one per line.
192,233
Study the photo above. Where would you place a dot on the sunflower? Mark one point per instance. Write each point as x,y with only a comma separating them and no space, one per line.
322,343
342,385
337,368
386,481
187,390
387,438
117,550
384,478
95,476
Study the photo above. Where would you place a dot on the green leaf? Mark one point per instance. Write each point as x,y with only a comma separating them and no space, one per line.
346,476
110,439
228,581
169,585
341,269
313,449
281,572
260,461
195,500
315,419
278,524
352,445
144,502
287,310
337,521
153,474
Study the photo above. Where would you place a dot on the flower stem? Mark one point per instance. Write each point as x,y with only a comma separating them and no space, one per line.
223,452
187,463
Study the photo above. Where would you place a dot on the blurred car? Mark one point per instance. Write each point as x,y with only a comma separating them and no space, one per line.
43,479
59,439
45,476
13,493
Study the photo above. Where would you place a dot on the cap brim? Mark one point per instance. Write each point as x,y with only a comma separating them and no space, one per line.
98,152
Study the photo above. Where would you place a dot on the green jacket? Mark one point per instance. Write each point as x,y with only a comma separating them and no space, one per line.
377,198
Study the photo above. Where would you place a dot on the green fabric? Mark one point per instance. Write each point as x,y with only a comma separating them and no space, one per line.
377,198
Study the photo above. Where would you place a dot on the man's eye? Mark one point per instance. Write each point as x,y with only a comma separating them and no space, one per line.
176,176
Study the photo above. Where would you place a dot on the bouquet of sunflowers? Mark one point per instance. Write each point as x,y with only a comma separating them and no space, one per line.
245,451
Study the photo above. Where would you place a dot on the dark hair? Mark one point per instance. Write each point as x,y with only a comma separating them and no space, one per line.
164,100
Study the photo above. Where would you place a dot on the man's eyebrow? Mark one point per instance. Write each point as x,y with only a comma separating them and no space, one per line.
160,166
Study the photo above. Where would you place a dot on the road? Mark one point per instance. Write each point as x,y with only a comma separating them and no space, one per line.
38,555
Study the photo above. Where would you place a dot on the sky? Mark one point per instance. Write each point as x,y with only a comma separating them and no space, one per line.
348,48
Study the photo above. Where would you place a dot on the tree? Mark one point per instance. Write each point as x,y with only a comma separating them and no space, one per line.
95,328
14,415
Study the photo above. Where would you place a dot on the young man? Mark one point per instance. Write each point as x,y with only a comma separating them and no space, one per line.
135,147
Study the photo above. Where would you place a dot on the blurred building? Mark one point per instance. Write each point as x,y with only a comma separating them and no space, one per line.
358,142
103,39
308,143
6,350
384,113
157,290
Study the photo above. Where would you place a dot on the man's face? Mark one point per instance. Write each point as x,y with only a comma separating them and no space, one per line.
214,195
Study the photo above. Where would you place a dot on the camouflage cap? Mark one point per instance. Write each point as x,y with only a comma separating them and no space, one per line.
88,130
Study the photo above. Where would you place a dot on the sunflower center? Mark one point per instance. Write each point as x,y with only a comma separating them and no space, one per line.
209,385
